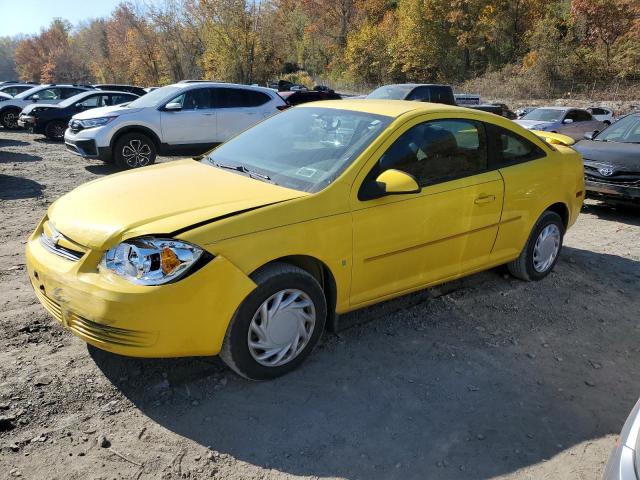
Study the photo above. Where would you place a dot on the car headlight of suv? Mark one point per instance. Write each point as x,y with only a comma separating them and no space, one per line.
95,122
150,260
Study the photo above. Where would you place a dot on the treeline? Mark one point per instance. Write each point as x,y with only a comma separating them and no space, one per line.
341,42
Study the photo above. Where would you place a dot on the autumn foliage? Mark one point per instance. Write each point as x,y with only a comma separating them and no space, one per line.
364,42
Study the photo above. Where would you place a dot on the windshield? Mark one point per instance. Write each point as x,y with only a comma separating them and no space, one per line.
544,115
304,148
26,93
392,92
625,130
154,98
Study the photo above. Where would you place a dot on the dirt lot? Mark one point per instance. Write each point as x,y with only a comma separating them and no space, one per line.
487,377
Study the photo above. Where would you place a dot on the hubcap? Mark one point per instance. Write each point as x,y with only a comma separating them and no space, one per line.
281,327
546,248
58,130
11,120
136,153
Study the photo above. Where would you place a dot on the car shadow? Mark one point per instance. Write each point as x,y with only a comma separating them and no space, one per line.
102,169
628,214
473,379
15,157
47,141
14,188
6,142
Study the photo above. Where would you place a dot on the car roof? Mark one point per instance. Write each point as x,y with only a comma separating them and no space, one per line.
388,108
200,83
416,85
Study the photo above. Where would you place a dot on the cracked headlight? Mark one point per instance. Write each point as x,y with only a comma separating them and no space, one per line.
151,261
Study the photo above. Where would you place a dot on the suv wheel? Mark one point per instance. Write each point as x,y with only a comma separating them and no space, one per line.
134,150
277,326
540,254
55,130
9,118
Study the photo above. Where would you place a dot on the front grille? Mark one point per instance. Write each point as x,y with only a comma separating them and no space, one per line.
51,245
618,177
99,333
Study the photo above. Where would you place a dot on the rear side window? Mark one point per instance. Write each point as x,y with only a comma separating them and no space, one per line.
238,98
118,99
511,148
438,151
579,116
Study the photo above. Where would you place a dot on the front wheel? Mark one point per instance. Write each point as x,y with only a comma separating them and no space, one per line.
55,130
134,150
540,254
277,326
9,119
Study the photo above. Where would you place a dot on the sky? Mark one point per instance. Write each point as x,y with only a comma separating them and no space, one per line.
29,16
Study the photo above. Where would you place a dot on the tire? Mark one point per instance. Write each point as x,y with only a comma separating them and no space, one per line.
529,267
54,130
9,118
134,150
271,281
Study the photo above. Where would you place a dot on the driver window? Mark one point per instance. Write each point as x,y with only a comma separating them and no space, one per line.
48,94
198,99
438,151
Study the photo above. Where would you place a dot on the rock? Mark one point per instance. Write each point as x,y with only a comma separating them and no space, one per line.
6,423
103,441
40,438
5,406
81,453
596,365
480,436
43,380
531,355
195,403
14,447
473,388
589,383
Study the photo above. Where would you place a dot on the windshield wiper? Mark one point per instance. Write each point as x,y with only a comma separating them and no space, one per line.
241,168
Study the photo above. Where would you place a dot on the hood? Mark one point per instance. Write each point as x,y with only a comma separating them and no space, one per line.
42,106
115,110
157,200
624,156
529,124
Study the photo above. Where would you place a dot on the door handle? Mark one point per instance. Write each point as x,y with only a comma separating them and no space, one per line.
484,199
208,114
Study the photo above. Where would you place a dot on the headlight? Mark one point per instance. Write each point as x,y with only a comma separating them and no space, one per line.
95,122
150,261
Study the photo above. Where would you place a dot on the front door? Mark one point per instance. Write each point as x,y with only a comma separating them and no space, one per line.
404,242
195,123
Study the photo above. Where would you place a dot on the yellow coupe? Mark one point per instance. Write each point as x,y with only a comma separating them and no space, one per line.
322,209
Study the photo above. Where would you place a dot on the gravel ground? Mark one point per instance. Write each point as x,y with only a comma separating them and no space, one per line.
486,377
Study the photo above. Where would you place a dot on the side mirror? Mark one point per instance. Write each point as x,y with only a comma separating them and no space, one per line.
173,107
390,182
567,120
35,98
590,135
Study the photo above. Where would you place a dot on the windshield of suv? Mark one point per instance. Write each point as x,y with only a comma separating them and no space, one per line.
31,91
625,130
392,92
304,148
544,115
154,98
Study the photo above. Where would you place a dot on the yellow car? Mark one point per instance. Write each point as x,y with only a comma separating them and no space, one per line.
322,209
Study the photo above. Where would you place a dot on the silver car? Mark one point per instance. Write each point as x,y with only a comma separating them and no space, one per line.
624,461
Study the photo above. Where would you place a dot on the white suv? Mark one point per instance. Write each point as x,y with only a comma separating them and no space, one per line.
189,117
51,93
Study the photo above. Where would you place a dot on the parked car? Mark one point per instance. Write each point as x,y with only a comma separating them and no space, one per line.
605,115
116,87
467,99
296,98
415,91
573,122
5,96
51,93
495,108
319,210
15,88
52,120
612,161
624,461
183,118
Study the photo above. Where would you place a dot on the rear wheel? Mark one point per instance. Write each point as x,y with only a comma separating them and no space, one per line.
134,150
55,130
277,326
9,118
540,254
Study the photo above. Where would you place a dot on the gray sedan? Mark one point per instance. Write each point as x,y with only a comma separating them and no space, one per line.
625,458
573,122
